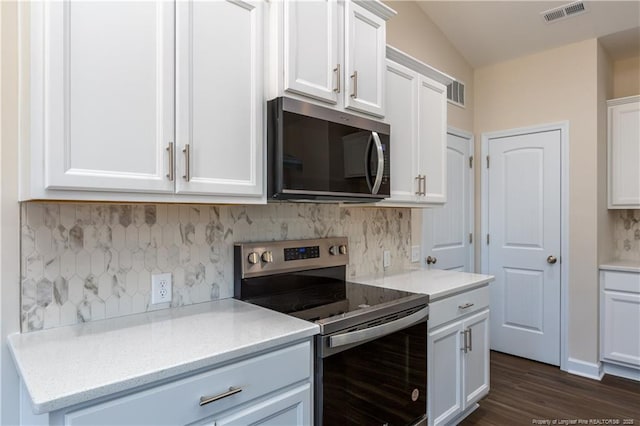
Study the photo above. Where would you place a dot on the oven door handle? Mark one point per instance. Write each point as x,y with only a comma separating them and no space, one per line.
366,334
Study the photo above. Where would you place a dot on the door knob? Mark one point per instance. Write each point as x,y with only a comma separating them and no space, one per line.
431,260
552,259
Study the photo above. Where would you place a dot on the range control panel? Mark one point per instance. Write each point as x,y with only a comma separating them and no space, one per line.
297,253
256,259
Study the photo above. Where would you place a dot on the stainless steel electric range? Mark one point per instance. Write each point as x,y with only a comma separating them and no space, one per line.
371,353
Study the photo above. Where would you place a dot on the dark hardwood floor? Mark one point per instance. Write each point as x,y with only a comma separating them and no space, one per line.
524,391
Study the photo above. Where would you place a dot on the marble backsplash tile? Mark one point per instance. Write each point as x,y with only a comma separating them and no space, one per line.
86,262
626,235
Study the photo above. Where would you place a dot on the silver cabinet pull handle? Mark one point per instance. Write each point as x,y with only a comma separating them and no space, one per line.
419,179
187,170
424,184
204,400
552,259
470,339
171,151
355,84
337,71
465,306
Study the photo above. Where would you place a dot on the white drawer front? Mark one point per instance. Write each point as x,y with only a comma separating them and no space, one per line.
621,281
456,306
178,402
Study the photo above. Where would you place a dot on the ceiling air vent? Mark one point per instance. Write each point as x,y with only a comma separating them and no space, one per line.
563,12
455,92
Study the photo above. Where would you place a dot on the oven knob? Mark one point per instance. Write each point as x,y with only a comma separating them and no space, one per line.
267,257
334,250
253,258
342,249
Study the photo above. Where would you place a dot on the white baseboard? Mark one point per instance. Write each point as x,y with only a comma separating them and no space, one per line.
621,371
589,370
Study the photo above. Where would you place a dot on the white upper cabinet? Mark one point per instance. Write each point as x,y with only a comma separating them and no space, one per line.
402,107
144,101
432,145
102,94
624,153
365,41
219,98
416,100
330,51
312,49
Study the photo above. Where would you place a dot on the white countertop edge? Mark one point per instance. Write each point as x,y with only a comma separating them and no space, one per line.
621,265
436,283
462,288
45,405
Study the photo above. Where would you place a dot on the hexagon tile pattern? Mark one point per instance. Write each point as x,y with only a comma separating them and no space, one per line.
86,262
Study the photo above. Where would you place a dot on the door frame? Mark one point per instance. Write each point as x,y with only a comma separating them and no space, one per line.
563,127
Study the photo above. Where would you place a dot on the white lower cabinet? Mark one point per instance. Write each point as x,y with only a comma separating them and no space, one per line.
271,389
458,356
620,323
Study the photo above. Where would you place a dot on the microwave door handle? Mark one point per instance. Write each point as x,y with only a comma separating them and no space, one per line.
380,171
367,169
360,336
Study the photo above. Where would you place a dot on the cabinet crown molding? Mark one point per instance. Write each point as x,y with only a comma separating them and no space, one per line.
625,100
414,64
377,7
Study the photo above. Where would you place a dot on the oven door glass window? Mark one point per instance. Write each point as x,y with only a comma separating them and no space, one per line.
381,382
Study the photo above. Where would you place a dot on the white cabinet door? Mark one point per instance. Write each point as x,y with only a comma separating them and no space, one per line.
476,358
103,112
220,100
311,49
402,106
621,327
624,153
365,45
288,408
432,155
444,378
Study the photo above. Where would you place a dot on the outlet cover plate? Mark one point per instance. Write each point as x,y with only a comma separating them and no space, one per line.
415,253
161,288
386,258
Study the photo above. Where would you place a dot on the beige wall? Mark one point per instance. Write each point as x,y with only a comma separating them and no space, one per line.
9,209
626,77
552,86
605,220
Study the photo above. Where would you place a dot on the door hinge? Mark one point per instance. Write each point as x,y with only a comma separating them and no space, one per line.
470,238
487,239
471,161
487,161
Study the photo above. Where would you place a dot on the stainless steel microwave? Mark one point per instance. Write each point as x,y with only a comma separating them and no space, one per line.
319,154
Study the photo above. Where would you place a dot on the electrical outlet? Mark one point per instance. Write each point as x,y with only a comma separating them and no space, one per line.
415,254
160,288
386,259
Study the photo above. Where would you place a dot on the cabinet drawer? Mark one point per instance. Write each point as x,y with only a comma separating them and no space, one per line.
621,281
459,305
178,402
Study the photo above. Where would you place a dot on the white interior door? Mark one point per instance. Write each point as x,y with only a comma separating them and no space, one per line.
524,238
446,230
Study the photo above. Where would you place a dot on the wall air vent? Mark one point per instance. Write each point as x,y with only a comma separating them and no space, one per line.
563,12
455,92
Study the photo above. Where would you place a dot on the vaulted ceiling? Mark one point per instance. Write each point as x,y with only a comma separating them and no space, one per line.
488,32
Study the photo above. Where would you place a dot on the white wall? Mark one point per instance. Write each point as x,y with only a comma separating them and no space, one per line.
9,210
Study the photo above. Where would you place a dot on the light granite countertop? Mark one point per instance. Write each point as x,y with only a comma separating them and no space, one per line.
621,265
64,366
436,283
